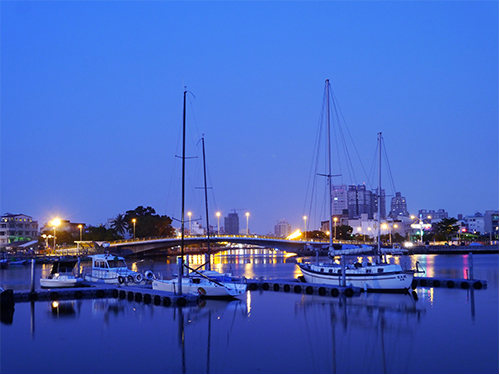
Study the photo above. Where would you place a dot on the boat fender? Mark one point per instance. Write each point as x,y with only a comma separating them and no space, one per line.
139,277
464,285
181,301
138,297
54,296
297,289
78,294
309,290
450,284
157,300
321,291
115,293
149,275
334,292
436,283
130,278
167,301
265,286
100,293
147,298
121,280
123,294
276,287
202,291
348,292
286,288
423,282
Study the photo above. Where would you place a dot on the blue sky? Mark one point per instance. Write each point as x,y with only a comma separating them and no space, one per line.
91,103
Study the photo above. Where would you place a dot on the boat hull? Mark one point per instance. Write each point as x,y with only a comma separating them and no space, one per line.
373,278
205,288
69,282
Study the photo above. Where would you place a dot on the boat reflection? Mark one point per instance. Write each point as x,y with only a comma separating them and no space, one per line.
375,329
62,309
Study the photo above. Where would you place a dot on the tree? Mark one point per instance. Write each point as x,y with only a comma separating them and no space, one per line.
100,233
446,227
344,232
148,223
120,224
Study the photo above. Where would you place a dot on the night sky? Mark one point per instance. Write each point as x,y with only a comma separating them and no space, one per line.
92,96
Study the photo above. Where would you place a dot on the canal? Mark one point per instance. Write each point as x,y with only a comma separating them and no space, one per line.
443,331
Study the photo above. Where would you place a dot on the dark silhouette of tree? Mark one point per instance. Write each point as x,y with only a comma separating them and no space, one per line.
148,223
119,224
447,227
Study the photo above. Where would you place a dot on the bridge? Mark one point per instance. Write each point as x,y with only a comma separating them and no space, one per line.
141,245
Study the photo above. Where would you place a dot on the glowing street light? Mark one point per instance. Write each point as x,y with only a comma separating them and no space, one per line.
55,223
133,222
335,229
218,224
247,215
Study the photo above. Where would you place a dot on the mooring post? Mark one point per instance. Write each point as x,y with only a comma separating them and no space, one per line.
33,275
471,276
179,273
342,264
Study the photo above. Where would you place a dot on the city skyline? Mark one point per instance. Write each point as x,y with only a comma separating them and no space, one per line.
92,104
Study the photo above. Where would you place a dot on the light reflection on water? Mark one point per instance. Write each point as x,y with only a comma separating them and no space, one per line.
444,331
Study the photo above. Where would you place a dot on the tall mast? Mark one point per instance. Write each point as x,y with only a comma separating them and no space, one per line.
327,94
379,193
206,202
183,174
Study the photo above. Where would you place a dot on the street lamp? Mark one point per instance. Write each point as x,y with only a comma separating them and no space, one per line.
247,215
80,226
305,227
133,222
218,226
359,230
189,214
335,229
56,222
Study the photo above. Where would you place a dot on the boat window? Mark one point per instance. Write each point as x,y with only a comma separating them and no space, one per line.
380,270
369,270
116,263
339,272
322,270
330,270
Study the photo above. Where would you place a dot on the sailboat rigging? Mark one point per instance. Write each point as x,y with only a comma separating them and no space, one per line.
205,283
368,276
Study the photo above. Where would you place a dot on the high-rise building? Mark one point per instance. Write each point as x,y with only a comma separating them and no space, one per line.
232,223
398,206
339,199
360,201
282,228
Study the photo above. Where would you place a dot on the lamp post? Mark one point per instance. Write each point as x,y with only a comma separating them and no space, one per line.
189,215
133,222
56,222
247,215
359,230
305,227
335,228
80,226
218,225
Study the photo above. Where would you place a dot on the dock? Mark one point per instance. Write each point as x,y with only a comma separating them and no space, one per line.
298,287
437,282
131,293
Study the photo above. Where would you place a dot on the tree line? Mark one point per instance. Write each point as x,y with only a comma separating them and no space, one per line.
147,224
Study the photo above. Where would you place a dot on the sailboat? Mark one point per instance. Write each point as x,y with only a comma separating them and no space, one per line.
377,276
205,283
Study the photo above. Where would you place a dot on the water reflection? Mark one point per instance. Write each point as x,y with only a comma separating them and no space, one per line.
370,333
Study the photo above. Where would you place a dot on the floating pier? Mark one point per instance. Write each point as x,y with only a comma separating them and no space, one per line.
294,286
437,282
136,294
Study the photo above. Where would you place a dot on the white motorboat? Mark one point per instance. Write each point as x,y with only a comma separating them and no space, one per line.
62,275
112,269
377,276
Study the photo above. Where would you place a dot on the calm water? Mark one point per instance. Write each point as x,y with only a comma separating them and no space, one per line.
444,331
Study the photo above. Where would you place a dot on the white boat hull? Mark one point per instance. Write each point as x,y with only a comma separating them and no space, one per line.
61,282
201,287
383,277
